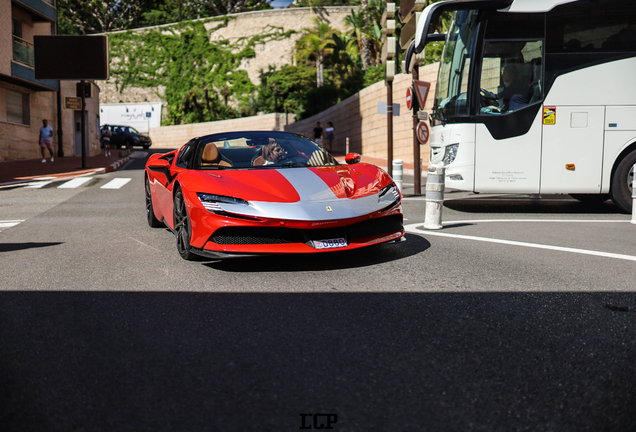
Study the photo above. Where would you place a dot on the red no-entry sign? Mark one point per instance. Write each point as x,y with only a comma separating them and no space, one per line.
422,132
409,98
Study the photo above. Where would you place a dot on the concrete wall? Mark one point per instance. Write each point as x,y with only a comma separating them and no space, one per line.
357,118
175,136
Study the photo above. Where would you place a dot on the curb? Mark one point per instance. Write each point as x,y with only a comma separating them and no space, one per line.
110,168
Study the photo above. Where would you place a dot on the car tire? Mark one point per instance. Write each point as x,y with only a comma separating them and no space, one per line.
623,182
182,227
153,222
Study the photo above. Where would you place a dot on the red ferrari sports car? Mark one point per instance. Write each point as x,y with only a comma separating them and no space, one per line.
266,192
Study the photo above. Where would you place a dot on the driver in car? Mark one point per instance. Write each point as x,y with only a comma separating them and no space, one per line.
271,153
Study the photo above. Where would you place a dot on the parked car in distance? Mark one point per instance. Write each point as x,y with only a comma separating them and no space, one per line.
126,136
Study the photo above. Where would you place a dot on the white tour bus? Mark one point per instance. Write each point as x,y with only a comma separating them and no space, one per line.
536,96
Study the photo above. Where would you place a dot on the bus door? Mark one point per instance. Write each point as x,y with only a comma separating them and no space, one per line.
508,134
572,148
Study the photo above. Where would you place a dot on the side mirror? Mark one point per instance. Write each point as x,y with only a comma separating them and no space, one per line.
352,158
158,165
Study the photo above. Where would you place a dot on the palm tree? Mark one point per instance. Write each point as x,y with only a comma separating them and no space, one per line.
365,49
315,45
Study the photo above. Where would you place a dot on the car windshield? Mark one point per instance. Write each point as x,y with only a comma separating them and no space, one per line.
260,150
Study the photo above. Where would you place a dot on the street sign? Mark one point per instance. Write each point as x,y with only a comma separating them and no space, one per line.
421,90
148,114
422,133
409,98
73,103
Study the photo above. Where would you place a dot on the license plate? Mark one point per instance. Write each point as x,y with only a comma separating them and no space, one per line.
330,243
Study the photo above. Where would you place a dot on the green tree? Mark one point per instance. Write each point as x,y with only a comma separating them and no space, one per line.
314,46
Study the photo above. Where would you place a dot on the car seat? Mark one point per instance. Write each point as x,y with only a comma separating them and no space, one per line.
212,156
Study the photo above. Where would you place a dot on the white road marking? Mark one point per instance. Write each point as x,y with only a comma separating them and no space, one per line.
9,223
38,185
412,228
116,183
76,182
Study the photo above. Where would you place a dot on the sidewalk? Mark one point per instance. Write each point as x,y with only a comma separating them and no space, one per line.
19,172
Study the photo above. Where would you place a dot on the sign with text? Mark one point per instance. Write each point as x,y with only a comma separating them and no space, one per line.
73,103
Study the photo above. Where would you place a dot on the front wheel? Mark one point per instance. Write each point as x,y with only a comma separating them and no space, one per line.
623,183
153,222
182,227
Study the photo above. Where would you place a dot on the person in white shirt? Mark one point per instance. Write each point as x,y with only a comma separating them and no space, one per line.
46,139
330,134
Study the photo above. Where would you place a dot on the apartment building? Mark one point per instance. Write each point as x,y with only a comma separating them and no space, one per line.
24,100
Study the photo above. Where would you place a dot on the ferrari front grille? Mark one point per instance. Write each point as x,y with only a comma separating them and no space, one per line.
275,235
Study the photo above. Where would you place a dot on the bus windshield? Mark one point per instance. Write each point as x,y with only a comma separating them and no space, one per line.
452,81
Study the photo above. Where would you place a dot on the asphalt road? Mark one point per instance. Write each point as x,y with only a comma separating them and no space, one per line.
103,327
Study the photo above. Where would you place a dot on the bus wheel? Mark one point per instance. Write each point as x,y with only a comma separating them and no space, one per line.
623,182
591,198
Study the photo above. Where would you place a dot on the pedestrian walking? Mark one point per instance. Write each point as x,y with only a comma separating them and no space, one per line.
318,134
46,139
106,134
330,134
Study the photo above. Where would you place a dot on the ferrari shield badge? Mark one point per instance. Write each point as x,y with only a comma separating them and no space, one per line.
329,209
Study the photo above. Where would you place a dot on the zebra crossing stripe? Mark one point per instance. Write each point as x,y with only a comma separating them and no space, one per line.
38,185
116,183
76,182
9,223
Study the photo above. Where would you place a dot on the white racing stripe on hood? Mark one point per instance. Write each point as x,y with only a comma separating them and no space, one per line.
317,201
308,184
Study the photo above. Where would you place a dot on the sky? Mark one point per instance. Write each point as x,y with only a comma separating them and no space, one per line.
277,4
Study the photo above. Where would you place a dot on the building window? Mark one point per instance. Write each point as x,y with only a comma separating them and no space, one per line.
18,107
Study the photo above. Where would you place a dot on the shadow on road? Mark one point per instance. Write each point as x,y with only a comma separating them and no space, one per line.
364,257
11,247
255,362
506,204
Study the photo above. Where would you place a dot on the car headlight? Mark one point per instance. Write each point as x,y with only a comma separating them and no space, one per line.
450,154
391,189
211,202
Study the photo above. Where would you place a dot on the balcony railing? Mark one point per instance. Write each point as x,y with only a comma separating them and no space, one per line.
23,51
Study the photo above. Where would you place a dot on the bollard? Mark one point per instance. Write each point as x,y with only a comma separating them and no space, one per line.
398,166
434,197
347,146
633,195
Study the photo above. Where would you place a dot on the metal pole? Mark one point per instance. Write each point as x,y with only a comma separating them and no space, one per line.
389,126
417,167
60,142
83,123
